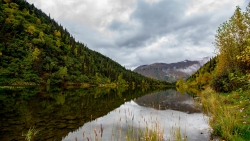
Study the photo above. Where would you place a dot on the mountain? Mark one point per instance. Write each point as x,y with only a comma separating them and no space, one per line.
36,50
173,71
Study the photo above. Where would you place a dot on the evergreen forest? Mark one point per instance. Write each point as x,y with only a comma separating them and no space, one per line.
36,50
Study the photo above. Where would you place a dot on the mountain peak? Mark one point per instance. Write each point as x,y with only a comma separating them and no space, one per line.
172,71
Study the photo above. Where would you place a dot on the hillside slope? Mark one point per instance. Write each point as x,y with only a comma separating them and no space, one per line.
171,72
34,49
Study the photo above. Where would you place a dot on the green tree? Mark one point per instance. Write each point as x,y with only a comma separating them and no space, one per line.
31,29
35,54
57,33
63,71
121,81
231,41
14,6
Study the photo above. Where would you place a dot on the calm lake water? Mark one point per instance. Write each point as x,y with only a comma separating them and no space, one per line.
78,114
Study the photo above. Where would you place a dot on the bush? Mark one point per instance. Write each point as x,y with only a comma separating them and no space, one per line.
230,81
219,82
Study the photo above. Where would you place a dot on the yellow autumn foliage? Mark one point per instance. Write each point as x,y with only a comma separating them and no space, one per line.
35,53
31,29
232,44
57,33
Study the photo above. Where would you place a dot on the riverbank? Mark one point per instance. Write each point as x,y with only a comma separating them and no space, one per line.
229,113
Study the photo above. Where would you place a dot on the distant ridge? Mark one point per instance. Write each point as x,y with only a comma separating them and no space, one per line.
173,71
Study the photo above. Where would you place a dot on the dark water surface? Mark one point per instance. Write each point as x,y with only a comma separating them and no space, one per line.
75,114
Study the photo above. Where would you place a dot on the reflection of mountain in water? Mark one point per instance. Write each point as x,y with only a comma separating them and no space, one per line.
169,99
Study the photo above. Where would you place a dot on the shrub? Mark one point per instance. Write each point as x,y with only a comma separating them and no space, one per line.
230,81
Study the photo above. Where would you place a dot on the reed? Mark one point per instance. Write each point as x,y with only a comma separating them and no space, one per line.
97,134
154,133
178,136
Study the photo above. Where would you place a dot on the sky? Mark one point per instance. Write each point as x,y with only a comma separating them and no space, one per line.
141,32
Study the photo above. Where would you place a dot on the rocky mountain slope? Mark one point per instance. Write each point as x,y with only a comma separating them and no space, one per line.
173,71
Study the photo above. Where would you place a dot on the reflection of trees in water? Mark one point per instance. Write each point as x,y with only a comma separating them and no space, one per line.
56,112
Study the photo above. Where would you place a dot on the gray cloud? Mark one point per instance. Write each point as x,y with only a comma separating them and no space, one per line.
155,19
137,32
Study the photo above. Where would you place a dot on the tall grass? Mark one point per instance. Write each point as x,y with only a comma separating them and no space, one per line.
226,116
178,136
150,130
145,134
147,129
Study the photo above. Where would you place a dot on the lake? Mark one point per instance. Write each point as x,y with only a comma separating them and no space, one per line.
99,113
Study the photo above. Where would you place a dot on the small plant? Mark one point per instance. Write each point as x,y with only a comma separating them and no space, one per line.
97,134
178,136
154,134
30,135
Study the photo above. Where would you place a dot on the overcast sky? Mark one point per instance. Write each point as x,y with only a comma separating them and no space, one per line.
138,32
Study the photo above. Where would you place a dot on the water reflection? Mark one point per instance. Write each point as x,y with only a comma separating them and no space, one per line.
77,113
170,99
56,112
179,111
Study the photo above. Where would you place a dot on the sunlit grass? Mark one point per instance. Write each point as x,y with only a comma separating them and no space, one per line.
229,114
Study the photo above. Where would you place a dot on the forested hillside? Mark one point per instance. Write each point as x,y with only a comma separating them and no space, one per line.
230,69
35,49
203,75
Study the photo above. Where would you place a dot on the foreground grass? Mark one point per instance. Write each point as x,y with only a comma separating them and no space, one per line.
155,134
229,112
140,134
152,131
